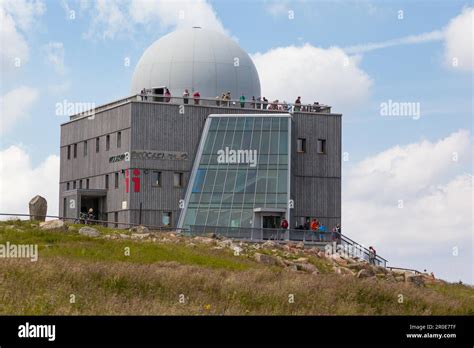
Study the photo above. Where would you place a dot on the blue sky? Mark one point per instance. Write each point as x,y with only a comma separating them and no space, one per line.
87,65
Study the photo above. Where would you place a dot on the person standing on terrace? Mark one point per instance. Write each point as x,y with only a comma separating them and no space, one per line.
185,96
242,101
298,104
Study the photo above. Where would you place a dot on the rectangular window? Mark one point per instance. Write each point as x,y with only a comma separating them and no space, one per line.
321,145
107,143
67,186
97,143
69,152
75,150
80,184
85,148
74,185
106,181
119,140
116,180
178,180
166,218
301,145
87,183
156,179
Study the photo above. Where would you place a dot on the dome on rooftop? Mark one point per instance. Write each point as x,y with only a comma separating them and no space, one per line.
200,60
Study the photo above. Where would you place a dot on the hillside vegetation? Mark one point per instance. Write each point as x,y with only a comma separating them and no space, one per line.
116,272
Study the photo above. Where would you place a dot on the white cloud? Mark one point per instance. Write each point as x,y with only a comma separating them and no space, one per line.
435,35
112,18
16,18
436,213
277,8
15,106
20,181
54,55
328,76
459,40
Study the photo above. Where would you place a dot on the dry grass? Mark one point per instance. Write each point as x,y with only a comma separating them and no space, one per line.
105,283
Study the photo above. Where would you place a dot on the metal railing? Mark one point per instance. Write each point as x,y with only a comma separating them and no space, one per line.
308,237
106,223
274,106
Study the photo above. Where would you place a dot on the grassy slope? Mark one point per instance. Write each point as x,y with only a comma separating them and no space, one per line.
151,280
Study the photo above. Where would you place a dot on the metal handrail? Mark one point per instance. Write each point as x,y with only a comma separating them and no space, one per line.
233,103
247,104
96,221
284,235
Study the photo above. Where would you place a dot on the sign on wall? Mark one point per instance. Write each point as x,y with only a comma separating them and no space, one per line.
150,155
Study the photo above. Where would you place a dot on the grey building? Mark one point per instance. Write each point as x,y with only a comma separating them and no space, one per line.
174,161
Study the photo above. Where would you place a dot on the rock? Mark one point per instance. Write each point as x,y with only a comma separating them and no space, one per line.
38,208
415,279
299,245
237,250
124,236
211,235
139,229
315,273
346,271
338,259
56,225
365,273
266,259
357,266
302,260
89,232
400,278
140,235
271,245
307,267
226,243
191,245
204,240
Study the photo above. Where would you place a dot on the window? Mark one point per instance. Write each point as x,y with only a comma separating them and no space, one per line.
97,143
119,139
74,185
67,186
166,218
301,145
106,181
321,145
87,183
156,179
75,150
107,143
178,180
69,152
116,180
116,219
85,148
80,184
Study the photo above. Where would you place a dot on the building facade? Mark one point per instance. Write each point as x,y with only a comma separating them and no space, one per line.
180,162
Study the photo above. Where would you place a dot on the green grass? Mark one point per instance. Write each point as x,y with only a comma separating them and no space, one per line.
151,280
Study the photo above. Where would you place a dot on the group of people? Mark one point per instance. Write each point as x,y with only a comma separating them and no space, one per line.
260,103
318,228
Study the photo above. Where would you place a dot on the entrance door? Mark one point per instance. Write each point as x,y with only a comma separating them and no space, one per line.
271,221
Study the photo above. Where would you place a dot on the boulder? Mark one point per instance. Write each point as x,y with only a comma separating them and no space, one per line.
299,245
307,267
400,278
53,225
270,245
302,260
346,271
124,236
266,259
140,235
338,259
38,208
89,232
204,240
139,229
365,273
415,279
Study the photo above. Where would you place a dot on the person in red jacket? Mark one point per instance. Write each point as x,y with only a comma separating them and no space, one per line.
196,97
284,224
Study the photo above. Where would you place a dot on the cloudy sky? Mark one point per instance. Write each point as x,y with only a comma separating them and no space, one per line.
407,179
